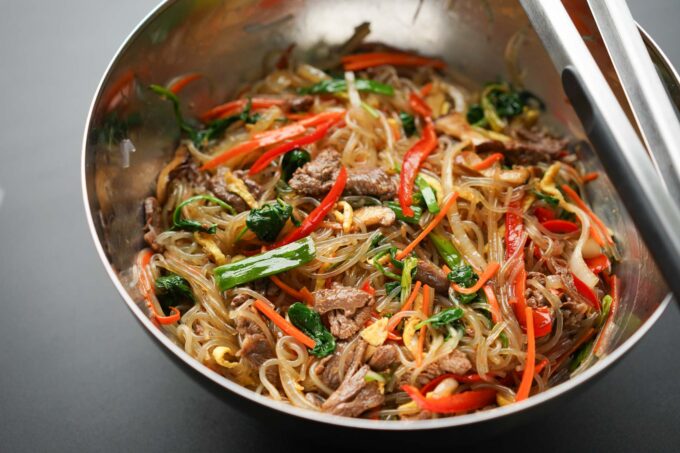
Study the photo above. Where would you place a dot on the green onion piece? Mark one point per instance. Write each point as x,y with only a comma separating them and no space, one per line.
417,212
269,263
446,249
410,264
606,306
408,123
381,268
330,86
178,223
429,196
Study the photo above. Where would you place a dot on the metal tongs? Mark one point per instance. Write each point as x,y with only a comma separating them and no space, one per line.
646,195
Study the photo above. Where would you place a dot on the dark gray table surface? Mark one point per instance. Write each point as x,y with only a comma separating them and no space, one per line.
76,371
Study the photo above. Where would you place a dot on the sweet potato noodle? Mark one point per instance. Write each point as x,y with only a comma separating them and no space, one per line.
368,238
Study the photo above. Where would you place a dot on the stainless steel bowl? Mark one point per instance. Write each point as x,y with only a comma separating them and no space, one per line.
228,43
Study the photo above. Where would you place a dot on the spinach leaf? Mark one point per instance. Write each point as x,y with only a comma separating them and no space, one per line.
408,122
443,318
475,115
178,223
293,160
463,275
172,290
268,221
507,103
309,322
581,355
391,286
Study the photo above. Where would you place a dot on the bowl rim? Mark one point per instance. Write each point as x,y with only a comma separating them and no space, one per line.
329,419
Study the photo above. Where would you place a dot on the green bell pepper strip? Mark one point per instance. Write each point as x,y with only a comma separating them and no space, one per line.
178,223
269,263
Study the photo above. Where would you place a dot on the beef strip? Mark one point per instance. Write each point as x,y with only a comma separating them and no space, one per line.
329,367
263,286
317,177
529,147
301,103
254,346
429,274
574,312
217,185
348,309
533,297
152,226
454,362
354,396
383,357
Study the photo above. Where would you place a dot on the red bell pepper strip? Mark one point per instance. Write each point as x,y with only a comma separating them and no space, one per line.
413,159
312,221
543,214
463,378
598,263
265,159
366,287
560,226
587,293
360,61
232,107
452,404
178,84
513,230
419,106
272,137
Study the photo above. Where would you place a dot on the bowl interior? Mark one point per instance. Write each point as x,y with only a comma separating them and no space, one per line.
131,133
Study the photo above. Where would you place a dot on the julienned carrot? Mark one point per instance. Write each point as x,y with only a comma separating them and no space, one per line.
272,137
581,204
232,107
394,320
592,176
426,89
542,364
490,270
530,362
368,60
423,330
147,290
299,295
178,84
284,325
493,303
423,234
489,161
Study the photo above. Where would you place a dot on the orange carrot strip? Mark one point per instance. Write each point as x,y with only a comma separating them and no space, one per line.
284,325
530,362
592,176
491,269
178,84
438,218
394,320
231,107
542,364
423,330
299,295
489,161
580,203
148,292
426,89
493,302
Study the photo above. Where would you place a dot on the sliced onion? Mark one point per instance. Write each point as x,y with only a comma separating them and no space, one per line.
354,98
591,249
576,263
554,282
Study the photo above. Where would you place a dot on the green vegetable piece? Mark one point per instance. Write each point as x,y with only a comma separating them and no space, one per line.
293,160
606,306
381,268
504,339
265,264
443,318
376,240
391,286
268,221
309,322
417,212
410,264
507,103
530,99
475,115
172,290
463,275
552,201
581,355
408,122
178,223
446,250
428,194
330,86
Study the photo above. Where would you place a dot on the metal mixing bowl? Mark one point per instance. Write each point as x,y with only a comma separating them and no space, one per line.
228,43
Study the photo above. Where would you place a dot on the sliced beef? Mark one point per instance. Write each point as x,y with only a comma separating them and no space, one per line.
329,367
383,357
263,286
317,177
349,309
354,396
152,225
254,347
574,312
429,274
375,215
454,362
217,185
301,103
529,147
